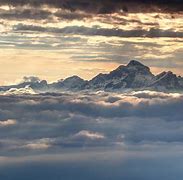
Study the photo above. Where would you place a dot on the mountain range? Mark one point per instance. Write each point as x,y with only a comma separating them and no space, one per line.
133,76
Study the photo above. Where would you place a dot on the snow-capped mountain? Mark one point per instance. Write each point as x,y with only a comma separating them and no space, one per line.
73,82
134,75
167,81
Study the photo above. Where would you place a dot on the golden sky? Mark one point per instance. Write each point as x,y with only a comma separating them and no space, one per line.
55,43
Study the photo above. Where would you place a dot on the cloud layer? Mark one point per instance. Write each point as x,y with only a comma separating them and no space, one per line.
58,121
106,6
94,31
49,136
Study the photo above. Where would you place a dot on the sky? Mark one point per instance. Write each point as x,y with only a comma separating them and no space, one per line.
56,39
93,135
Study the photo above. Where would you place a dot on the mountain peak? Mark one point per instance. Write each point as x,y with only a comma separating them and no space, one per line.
134,63
74,77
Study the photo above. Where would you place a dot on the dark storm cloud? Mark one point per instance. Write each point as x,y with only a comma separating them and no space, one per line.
82,30
106,6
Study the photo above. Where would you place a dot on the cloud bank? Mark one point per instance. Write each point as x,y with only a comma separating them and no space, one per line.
82,30
103,7
51,135
59,121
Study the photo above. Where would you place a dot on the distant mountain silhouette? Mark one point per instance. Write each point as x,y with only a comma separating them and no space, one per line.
134,75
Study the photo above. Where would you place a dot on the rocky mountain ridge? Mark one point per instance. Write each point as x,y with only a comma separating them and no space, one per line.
134,75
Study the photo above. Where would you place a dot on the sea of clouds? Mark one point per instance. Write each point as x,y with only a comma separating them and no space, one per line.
134,133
